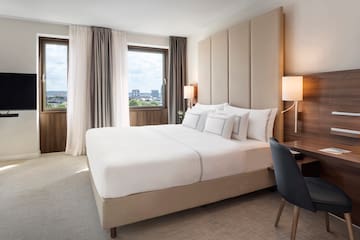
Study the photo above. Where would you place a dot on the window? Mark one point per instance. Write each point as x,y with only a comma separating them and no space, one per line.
147,77
54,73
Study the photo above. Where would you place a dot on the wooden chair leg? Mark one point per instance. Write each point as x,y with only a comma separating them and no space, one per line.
349,225
295,222
327,222
282,205
113,233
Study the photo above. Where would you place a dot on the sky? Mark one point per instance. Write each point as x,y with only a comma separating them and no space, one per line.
56,67
145,71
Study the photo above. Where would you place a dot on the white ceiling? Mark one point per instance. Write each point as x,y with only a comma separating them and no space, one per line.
159,17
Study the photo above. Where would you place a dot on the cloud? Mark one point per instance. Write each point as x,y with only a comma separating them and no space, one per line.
145,71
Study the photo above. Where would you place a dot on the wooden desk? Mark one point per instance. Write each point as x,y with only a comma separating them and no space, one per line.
342,170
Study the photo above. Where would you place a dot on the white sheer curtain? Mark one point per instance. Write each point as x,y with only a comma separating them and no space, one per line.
78,118
119,79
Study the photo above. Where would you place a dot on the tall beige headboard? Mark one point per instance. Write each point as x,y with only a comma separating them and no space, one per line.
243,65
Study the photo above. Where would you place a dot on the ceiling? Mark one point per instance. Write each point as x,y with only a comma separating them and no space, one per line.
159,17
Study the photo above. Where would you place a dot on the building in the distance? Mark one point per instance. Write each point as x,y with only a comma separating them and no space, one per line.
155,93
135,93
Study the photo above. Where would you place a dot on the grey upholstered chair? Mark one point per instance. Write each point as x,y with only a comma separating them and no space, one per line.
309,193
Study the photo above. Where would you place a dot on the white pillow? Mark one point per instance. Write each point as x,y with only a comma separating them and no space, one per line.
220,124
191,119
195,119
258,124
205,107
241,121
270,125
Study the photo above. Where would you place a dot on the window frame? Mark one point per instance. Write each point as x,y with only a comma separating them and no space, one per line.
163,51
42,66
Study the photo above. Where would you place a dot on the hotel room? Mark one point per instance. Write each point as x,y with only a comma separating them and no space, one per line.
206,119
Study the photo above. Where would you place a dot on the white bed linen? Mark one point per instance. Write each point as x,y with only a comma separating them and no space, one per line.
125,161
221,157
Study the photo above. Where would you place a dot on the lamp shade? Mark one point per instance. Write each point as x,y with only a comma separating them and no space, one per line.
188,92
292,88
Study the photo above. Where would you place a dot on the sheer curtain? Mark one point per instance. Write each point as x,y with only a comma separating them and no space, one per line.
119,79
78,119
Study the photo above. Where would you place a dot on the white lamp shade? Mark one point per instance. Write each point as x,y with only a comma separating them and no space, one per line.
292,88
188,92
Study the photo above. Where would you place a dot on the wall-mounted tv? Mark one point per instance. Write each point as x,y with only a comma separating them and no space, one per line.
17,91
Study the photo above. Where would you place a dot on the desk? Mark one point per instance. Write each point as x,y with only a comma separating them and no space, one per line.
342,170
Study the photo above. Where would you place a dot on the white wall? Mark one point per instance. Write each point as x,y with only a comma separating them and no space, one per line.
19,137
321,35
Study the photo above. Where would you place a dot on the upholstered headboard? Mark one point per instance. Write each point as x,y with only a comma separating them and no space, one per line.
243,65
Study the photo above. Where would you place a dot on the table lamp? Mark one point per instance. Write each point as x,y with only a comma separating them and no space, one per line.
189,95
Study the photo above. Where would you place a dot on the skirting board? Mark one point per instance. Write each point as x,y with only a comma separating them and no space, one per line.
23,156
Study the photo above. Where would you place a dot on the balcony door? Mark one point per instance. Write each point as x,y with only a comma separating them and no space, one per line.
53,75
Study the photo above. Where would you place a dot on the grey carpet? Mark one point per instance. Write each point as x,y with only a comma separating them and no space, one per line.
50,198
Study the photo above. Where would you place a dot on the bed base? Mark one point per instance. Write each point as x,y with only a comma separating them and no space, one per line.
116,212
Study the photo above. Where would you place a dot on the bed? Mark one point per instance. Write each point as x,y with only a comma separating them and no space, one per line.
178,168
139,173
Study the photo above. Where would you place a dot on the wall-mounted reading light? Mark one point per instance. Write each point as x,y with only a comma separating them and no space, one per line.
292,90
189,95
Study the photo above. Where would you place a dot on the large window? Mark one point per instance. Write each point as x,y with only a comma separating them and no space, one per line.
147,77
54,73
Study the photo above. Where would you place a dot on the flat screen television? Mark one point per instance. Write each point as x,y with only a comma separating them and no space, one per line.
17,91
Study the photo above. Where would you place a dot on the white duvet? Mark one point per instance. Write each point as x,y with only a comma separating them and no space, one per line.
124,161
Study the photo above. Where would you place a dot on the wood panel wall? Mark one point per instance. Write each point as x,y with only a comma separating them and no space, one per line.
52,131
323,94
150,116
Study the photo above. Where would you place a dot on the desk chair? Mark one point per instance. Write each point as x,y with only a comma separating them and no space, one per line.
309,193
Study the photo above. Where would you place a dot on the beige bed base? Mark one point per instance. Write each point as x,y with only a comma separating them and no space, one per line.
114,212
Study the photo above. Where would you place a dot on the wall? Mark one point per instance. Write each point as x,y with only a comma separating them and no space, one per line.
19,137
320,35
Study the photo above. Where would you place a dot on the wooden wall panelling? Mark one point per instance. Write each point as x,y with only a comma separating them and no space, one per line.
323,94
52,131
141,117
219,68
267,63
204,74
239,65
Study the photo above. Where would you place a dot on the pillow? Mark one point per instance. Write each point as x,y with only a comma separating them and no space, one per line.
220,124
191,119
195,119
205,107
258,124
241,121
270,125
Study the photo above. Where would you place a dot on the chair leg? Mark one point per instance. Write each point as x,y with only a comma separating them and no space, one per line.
295,222
349,225
113,233
282,205
327,222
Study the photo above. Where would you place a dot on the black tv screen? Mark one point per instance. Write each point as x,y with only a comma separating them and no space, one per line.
17,91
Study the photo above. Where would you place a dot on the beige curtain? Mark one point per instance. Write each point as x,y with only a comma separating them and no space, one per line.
177,78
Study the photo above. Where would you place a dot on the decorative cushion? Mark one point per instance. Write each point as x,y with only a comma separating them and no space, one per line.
241,122
195,119
220,123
